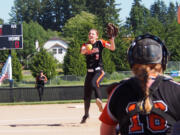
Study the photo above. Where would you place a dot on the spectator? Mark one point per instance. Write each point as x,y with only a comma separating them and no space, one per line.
41,79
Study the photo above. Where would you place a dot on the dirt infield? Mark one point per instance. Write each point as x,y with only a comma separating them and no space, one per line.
49,119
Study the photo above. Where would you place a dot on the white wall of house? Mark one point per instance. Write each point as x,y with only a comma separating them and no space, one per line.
57,47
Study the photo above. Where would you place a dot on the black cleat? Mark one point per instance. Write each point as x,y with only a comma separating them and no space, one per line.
84,119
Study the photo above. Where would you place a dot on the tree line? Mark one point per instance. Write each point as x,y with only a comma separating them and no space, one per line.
72,19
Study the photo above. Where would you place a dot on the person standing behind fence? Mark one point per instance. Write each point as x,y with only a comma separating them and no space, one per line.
41,79
93,52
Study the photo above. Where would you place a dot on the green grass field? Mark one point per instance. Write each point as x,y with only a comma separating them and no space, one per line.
29,80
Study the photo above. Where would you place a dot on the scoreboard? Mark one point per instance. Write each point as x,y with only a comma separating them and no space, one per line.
11,36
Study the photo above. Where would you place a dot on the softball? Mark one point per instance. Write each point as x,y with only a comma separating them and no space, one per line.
89,46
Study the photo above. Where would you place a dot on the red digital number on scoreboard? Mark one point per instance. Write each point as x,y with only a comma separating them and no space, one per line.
0,31
16,44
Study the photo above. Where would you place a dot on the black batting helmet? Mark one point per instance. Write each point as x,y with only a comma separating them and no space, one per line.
148,49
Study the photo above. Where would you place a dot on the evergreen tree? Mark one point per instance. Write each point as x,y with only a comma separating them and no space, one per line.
16,67
112,12
119,56
155,27
43,61
77,6
171,13
138,17
172,36
74,62
1,21
25,10
32,31
53,14
105,10
47,16
108,64
159,10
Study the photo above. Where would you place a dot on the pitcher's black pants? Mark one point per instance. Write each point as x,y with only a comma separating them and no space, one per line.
92,83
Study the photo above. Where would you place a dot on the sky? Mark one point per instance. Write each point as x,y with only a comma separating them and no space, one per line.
126,6
6,5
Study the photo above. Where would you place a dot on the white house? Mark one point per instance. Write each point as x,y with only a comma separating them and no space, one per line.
58,47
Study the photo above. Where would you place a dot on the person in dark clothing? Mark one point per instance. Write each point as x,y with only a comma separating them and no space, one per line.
148,102
41,79
95,73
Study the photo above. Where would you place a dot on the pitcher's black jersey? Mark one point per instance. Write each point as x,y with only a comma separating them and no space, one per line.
94,60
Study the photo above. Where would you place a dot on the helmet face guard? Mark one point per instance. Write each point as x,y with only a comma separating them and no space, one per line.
148,49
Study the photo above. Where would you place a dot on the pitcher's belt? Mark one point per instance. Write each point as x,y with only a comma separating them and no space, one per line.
92,70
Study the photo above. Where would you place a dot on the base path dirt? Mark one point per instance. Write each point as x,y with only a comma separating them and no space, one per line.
48,119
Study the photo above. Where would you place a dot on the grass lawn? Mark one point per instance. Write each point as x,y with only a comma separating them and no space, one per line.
29,80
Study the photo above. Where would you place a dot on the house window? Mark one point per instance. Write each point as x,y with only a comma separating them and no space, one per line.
60,51
54,51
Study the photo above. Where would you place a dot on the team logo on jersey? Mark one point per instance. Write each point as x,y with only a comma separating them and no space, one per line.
155,123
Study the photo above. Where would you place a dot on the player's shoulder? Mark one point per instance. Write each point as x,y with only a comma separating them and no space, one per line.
170,81
102,41
166,77
119,85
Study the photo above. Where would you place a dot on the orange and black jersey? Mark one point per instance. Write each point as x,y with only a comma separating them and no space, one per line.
40,80
94,60
124,99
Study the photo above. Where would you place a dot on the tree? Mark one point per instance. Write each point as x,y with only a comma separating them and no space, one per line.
159,10
155,27
108,64
78,27
32,31
111,12
119,56
46,14
105,10
74,62
172,36
25,10
53,14
138,17
1,21
16,67
43,61
171,13
77,6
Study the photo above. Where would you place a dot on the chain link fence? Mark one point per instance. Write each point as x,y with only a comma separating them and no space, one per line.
173,69
173,66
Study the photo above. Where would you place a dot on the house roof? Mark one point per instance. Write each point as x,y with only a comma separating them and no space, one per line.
55,41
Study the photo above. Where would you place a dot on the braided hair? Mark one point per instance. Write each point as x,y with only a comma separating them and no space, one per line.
143,73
